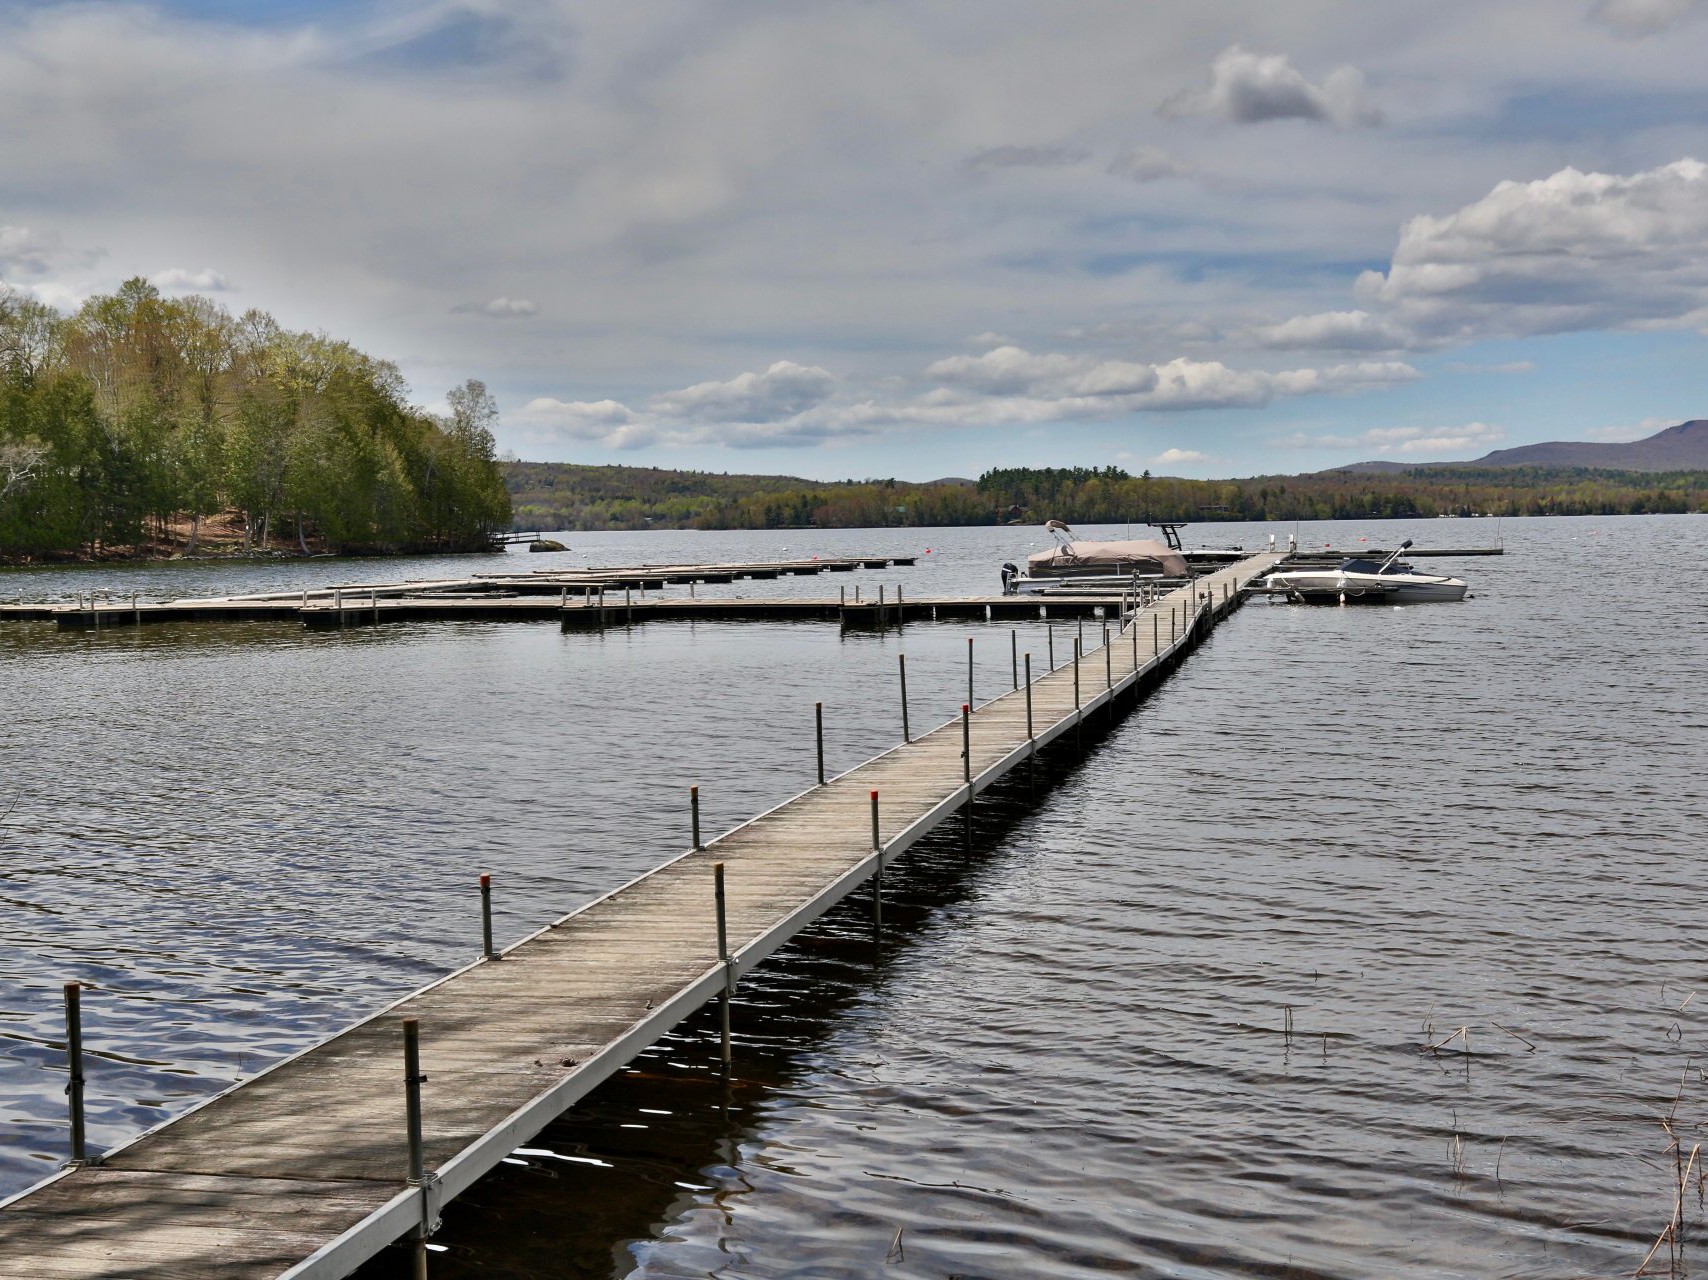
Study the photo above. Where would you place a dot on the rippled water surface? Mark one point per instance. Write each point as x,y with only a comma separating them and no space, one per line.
1175,1018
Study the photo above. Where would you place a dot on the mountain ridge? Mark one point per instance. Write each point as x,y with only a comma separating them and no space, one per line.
1683,447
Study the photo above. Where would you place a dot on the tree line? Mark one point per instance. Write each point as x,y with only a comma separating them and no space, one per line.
134,419
551,496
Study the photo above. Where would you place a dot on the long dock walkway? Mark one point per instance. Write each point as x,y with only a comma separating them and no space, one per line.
301,1172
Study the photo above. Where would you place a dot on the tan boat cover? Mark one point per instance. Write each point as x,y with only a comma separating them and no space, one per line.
1140,555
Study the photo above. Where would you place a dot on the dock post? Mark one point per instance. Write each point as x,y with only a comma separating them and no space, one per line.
1052,646
818,719
136,613
1081,621
723,959
74,1066
412,1079
563,598
969,671
1032,757
880,604
486,950
901,662
842,597
694,809
856,593
1156,633
1108,659
1014,654
628,607
899,602
1135,643
374,602
1171,617
967,770
1076,652
878,875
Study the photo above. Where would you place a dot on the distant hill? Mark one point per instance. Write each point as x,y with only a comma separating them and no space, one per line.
1680,448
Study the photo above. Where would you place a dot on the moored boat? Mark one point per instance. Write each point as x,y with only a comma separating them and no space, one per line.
1359,581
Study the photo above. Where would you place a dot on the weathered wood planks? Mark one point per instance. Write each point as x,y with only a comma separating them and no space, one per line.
300,1171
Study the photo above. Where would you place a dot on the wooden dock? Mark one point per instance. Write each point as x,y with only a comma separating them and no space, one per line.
302,1171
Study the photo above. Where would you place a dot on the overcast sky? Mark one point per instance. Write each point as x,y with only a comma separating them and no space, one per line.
861,238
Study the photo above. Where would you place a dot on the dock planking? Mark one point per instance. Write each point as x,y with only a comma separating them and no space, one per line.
300,1171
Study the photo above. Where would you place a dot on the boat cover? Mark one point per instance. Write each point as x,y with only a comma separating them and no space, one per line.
1139,555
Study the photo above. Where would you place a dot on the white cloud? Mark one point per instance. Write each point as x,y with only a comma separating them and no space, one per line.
1642,17
1568,252
1146,164
1170,457
1624,433
1333,331
1247,88
1409,442
207,280
792,405
499,308
783,391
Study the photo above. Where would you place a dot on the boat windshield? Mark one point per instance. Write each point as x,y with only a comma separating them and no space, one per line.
1360,565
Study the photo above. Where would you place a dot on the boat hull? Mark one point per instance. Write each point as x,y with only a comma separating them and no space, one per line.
1353,588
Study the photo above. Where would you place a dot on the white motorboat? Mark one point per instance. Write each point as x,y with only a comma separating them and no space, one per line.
1094,566
1359,581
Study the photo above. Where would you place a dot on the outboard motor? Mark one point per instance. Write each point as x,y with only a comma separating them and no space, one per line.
1010,571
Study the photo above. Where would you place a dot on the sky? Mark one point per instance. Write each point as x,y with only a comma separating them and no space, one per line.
857,238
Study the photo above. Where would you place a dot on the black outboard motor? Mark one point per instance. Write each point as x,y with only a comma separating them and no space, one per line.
1010,572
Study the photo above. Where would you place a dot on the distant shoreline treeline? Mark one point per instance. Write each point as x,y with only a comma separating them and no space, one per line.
568,496
131,422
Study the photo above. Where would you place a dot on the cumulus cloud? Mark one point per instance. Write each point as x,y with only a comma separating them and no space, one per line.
1146,164
797,405
1408,441
1642,17
1171,457
1248,88
1568,252
783,391
1333,331
31,252
1018,385
207,280
499,308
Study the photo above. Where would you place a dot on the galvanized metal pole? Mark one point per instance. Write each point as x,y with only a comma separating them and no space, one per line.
1052,631
969,671
1032,759
1014,654
412,1080
1108,659
486,918
694,810
878,874
74,1066
723,959
967,771
818,719
1076,675
1156,633
901,663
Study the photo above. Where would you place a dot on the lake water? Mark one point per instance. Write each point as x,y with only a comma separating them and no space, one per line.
1194,1011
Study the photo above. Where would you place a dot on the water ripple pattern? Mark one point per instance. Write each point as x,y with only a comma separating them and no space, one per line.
1369,944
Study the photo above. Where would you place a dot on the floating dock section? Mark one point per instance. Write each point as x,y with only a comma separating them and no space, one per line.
305,1170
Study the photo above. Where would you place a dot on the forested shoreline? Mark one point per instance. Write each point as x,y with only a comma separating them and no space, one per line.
551,496
137,422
